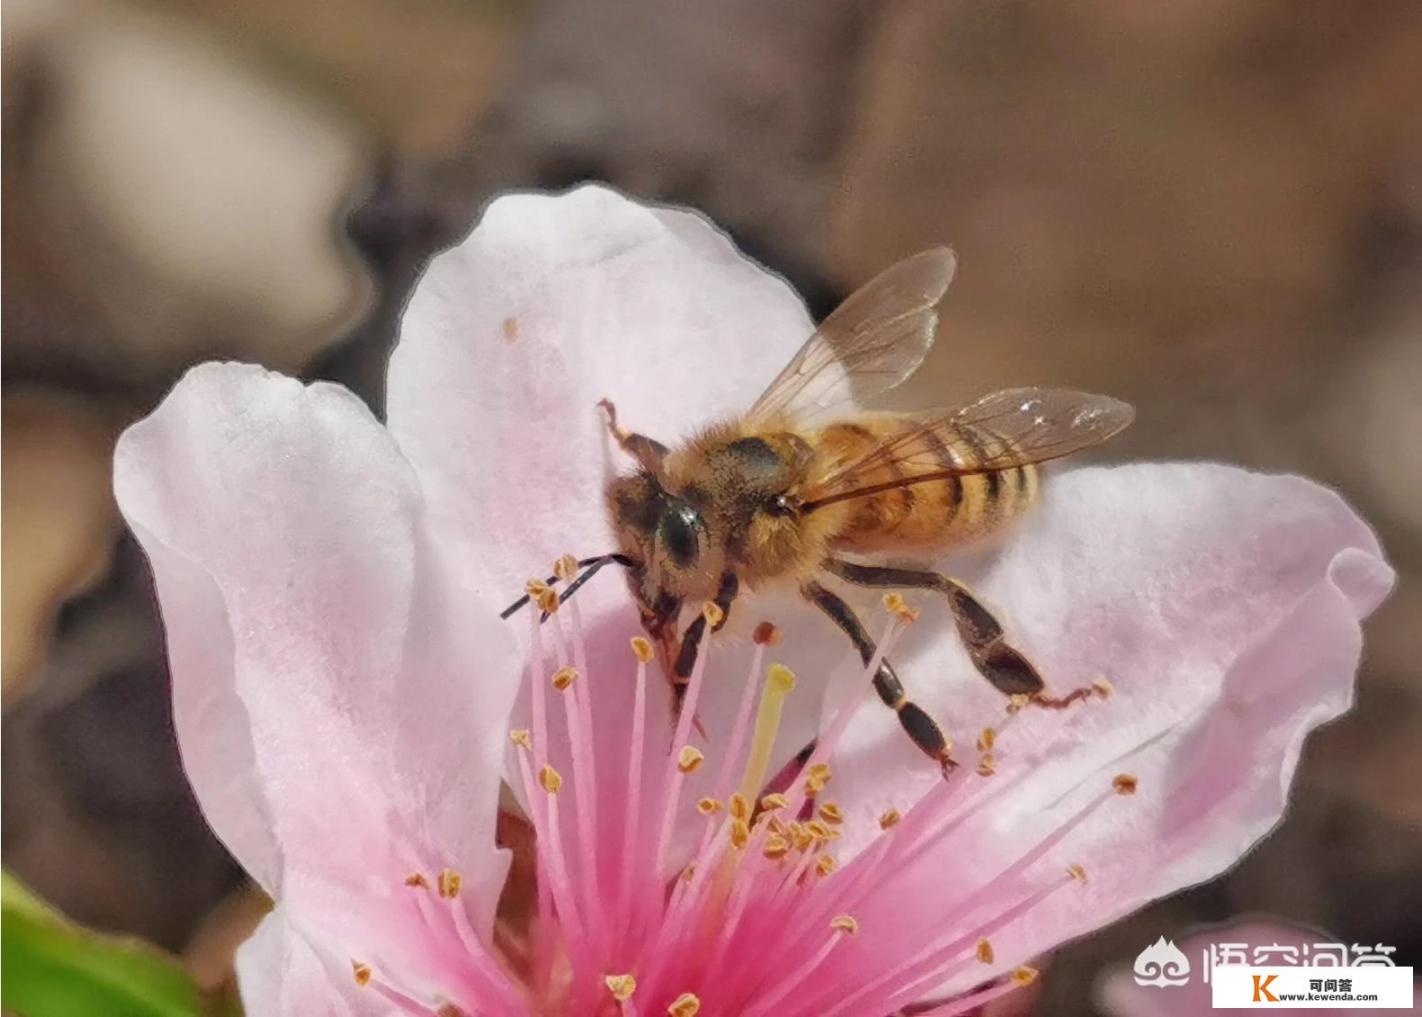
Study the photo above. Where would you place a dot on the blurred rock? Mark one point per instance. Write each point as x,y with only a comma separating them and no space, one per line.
60,520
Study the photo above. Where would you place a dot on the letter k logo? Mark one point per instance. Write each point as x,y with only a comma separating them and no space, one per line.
1261,989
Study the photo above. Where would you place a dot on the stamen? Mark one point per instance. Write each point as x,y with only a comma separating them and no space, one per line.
824,865
740,833
889,819
987,739
1076,872
449,883
566,568
776,847
548,601
984,951
773,802
417,880
987,765
564,677
549,779
778,683
621,986
1103,688
361,972
766,634
690,759
817,779
1125,783
713,614
522,738
1018,703
642,650
846,924
740,807
895,604
831,813
685,1005
709,806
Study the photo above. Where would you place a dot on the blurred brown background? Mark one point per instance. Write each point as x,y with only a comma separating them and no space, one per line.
1211,209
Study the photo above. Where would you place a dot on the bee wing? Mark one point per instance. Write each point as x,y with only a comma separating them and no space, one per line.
870,343
1014,427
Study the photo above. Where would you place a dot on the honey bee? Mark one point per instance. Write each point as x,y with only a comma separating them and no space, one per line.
776,497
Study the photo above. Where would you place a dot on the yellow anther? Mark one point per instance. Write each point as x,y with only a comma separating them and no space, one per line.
987,739
771,802
361,972
776,847
713,614
689,759
621,986
740,833
550,779
1024,975
417,880
766,634
987,765
548,601
1125,783
889,819
685,1005
800,836
775,824
984,951
1103,688
709,806
1076,872
824,865
831,813
1018,703
780,678
566,568
816,778
535,588
819,830
845,924
642,649
895,604
449,882
522,738
740,808
564,677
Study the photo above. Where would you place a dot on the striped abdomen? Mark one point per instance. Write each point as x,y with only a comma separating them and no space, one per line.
955,510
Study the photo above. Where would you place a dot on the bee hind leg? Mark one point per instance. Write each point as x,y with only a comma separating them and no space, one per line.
996,659
921,728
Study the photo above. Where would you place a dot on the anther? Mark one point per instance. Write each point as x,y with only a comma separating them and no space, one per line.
1125,783
889,819
685,1005
820,831
642,649
824,865
987,765
713,614
800,836
1018,703
780,677
449,883
846,924
1024,975
689,759
550,779
816,778
361,972
895,604
566,568
984,951
740,808
776,847
621,986
771,802
766,634
709,806
548,601
831,813
1103,688
522,738
740,833
535,588
564,677
417,881
1076,872
987,739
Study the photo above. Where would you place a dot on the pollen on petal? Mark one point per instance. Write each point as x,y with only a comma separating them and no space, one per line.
449,883
845,923
1024,975
550,779
1077,872
522,738
713,614
566,567
685,1005
642,648
564,677
689,759
621,986
766,634
361,972
889,819
1125,784
1103,688
984,951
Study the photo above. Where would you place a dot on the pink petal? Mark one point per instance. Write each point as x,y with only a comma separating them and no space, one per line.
1224,608
281,972
340,698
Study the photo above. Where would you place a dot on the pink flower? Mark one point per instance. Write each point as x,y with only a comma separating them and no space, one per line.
345,691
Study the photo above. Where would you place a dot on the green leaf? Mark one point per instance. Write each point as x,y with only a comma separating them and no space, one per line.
54,968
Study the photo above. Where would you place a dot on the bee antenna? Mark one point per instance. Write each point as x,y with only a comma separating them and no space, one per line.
590,567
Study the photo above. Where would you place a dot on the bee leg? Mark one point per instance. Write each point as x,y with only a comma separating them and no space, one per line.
996,660
648,452
922,729
591,564
691,638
